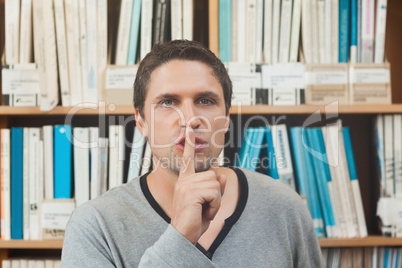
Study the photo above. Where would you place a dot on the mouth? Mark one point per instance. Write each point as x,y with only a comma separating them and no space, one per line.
198,146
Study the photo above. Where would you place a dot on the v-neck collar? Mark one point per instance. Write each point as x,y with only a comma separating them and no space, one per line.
229,222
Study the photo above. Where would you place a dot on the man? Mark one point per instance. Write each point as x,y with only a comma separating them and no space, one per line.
189,212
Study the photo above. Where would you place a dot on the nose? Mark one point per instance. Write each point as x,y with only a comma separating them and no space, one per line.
190,116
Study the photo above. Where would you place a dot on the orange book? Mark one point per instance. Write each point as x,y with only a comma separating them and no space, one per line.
213,20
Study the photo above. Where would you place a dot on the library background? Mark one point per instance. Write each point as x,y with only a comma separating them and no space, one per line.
317,92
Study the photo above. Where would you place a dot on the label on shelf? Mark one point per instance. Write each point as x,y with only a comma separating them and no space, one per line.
120,77
56,213
283,75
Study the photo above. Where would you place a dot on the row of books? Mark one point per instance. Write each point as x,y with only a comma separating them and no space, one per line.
325,170
369,257
30,263
269,31
61,162
388,140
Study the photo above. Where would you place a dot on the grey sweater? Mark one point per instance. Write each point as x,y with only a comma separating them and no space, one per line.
122,229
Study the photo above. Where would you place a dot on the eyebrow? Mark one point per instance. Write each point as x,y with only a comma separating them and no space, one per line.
205,94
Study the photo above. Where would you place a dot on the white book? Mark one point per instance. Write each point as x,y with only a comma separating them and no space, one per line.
73,50
379,137
103,164
295,31
147,161
12,30
381,18
188,19
91,93
41,182
62,52
268,30
284,33
57,264
251,27
116,150
259,31
6,263
282,155
314,31
321,30
123,33
25,182
176,19
327,30
26,32
5,182
137,149
397,118
81,165
48,161
338,206
101,47
335,31
34,184
146,27
235,29
241,33
95,162
276,18
389,155
48,263
368,31
40,264
24,263
45,53
307,34
83,48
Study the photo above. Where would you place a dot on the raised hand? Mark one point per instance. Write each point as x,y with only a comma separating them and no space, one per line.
197,196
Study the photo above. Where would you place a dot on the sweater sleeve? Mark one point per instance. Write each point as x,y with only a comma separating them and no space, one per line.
174,250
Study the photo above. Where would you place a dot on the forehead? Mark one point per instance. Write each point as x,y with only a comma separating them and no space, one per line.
183,76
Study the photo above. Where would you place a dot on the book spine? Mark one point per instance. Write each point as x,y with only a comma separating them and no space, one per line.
25,32
62,52
353,31
188,19
328,33
235,29
284,34
335,31
213,26
81,165
381,18
177,19
102,45
259,31
359,31
276,18
137,147
368,31
321,30
123,32
389,155
5,195
268,30
17,142
34,198
134,32
397,118
12,30
62,161
146,27
48,161
295,31
91,93
344,10
225,35
26,177
95,162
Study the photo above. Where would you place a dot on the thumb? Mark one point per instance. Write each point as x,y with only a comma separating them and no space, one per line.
222,180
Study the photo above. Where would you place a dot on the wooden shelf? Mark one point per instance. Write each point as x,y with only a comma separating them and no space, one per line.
31,244
253,109
370,241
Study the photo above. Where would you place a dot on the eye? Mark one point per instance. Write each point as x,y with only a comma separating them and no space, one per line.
166,103
206,101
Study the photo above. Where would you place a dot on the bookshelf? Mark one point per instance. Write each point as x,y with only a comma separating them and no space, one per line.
358,117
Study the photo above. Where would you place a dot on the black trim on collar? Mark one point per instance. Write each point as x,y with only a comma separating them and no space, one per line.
229,222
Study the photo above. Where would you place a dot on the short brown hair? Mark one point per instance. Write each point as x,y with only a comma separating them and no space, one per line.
162,53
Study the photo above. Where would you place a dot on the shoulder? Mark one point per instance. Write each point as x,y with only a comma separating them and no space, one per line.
264,191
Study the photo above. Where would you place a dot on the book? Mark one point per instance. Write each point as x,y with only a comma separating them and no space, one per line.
213,26
272,170
276,18
353,31
94,163
295,31
25,52
137,148
103,164
12,30
268,30
91,90
177,19
344,30
5,177
62,56
335,31
225,35
134,33
380,27
389,155
48,138
254,161
188,19
123,35
116,155
397,123
62,161
25,182
146,27
368,31
81,165
16,186
102,44
285,29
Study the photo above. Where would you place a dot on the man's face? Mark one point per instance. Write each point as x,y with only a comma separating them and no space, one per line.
184,93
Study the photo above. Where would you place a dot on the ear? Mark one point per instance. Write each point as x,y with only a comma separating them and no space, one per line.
227,123
141,124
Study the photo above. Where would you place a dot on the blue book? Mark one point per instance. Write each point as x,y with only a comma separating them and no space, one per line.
353,31
255,148
17,145
134,32
245,156
386,257
272,168
344,27
306,178
225,32
62,162
318,156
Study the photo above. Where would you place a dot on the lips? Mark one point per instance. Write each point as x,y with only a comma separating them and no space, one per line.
199,144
